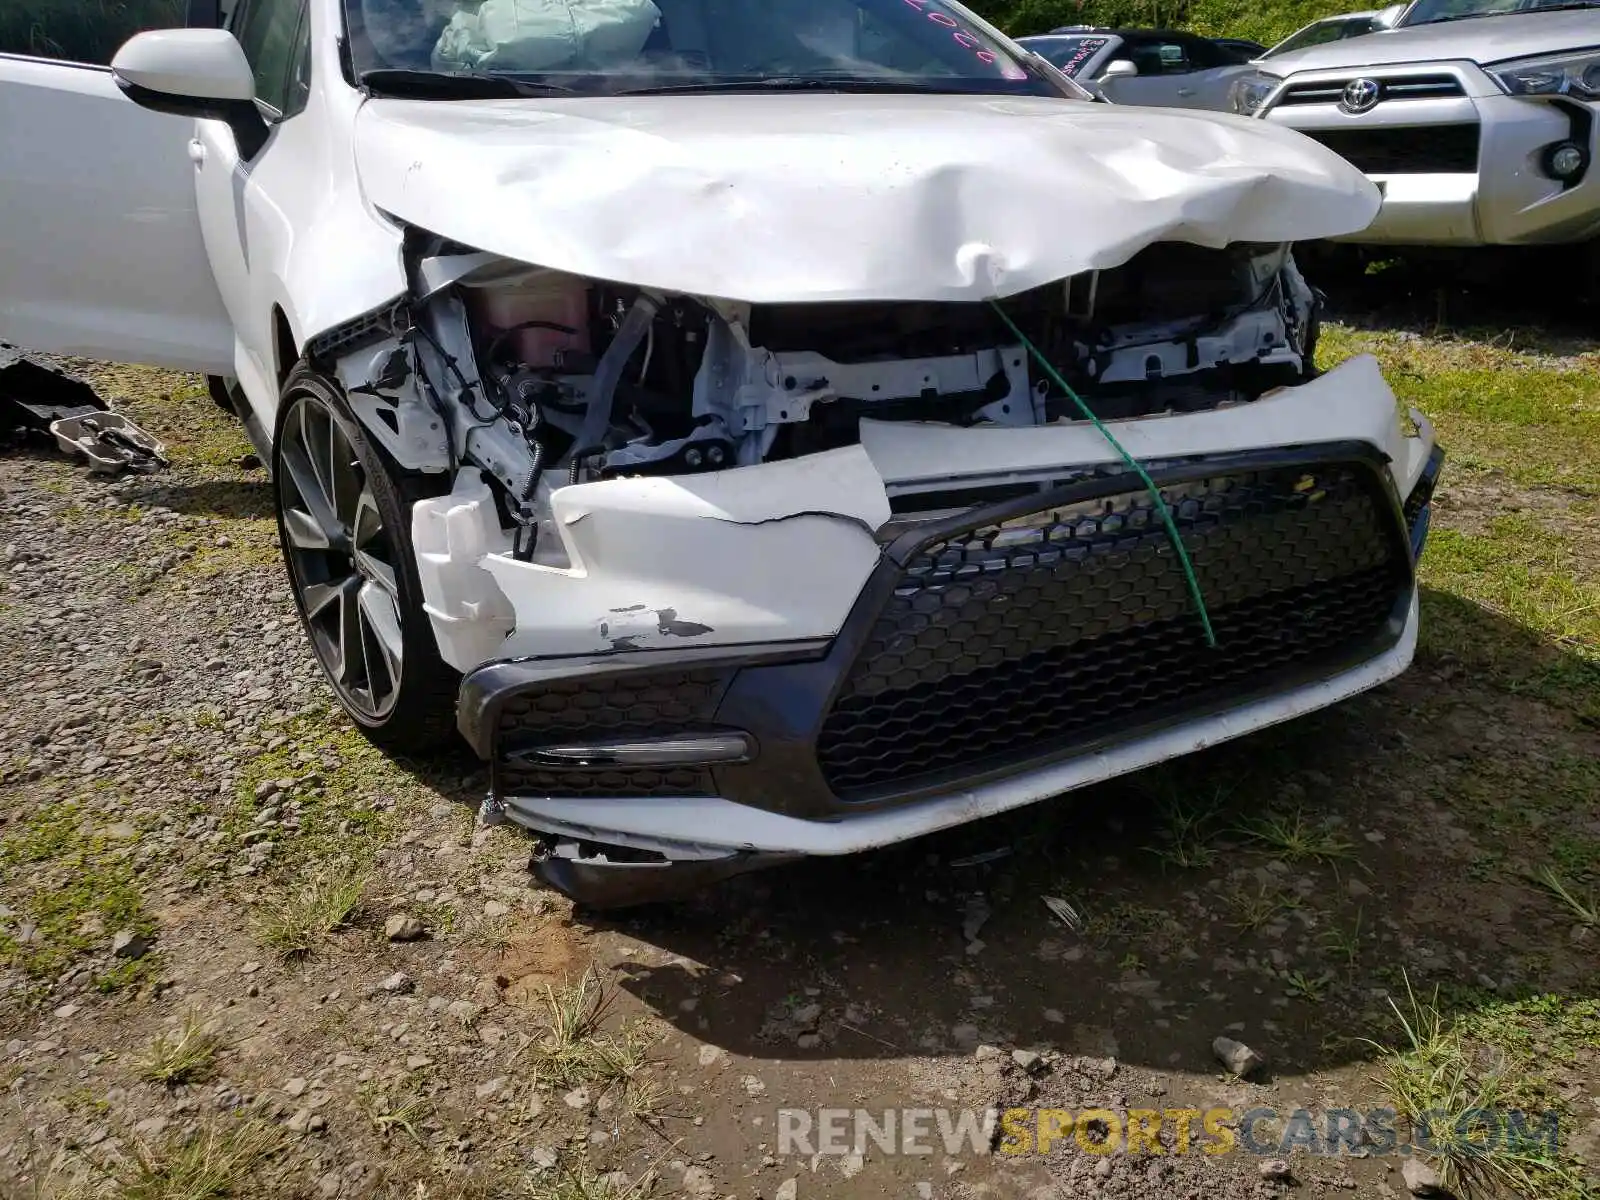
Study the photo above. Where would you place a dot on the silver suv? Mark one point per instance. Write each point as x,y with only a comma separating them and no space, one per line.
1475,118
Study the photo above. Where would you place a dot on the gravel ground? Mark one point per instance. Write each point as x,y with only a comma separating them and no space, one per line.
174,783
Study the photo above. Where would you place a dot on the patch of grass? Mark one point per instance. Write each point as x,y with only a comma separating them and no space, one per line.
1585,908
1293,837
177,411
338,818
1255,910
70,884
493,933
302,919
1344,943
400,1108
1535,419
1539,1029
582,1182
1188,826
1440,1078
217,1161
1128,925
575,1048
187,1055
127,973
1300,986
1524,572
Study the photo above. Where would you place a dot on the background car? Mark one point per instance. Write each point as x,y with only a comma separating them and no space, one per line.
1161,67
1246,48
1335,29
1477,121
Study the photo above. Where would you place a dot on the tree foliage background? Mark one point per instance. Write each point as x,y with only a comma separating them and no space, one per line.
1264,20
81,30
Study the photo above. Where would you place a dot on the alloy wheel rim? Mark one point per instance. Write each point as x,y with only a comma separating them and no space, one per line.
341,560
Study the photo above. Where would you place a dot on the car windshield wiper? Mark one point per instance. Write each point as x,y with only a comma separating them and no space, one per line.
797,83
442,85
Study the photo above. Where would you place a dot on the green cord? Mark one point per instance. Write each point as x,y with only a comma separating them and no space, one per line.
1133,464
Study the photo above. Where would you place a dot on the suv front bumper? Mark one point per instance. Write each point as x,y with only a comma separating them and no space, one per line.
1459,162
1009,653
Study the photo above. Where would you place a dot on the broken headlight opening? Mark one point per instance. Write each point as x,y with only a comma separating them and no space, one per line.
542,379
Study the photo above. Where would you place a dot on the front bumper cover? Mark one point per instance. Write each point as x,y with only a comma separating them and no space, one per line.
1459,162
598,752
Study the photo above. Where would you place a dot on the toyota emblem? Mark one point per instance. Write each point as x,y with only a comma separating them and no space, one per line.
1360,95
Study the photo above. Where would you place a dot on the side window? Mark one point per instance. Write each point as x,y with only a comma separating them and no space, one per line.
299,69
1159,56
1328,31
1204,54
267,30
82,32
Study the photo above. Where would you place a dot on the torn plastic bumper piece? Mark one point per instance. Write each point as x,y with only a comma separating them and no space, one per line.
35,393
1419,504
995,658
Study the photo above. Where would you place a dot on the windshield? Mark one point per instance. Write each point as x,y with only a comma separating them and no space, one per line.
619,46
1426,12
1069,54
1324,31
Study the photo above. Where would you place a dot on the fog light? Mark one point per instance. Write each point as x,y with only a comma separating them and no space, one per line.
1566,161
682,750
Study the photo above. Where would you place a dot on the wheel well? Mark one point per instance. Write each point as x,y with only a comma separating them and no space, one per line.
284,348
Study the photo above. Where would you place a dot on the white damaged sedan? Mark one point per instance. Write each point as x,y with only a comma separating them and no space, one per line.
762,428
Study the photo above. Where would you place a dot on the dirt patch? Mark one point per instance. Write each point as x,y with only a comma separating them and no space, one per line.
549,956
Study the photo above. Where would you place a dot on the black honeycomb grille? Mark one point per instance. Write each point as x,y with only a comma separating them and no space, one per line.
1074,625
609,707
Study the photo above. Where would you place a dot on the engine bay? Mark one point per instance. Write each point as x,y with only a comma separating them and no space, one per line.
542,379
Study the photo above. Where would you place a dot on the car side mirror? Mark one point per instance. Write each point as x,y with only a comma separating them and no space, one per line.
197,73
1121,69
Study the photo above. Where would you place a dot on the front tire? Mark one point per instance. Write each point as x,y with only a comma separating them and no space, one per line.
344,522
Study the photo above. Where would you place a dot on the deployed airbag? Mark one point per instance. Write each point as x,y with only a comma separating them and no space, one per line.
538,35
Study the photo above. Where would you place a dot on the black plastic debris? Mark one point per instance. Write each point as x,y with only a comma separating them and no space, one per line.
35,393
39,399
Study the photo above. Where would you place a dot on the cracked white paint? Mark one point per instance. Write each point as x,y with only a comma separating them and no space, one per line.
776,552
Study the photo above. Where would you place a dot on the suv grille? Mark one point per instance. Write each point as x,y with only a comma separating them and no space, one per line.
609,708
1404,150
1073,625
1411,87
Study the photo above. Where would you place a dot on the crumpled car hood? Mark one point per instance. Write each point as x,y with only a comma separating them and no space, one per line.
825,197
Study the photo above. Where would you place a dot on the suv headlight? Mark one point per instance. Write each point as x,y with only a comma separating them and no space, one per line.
1575,73
1248,93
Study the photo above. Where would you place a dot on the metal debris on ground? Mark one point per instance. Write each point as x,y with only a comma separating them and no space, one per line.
110,442
1063,912
988,856
39,398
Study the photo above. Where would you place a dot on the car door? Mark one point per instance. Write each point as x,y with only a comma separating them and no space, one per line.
101,253
1163,66
1213,73
242,195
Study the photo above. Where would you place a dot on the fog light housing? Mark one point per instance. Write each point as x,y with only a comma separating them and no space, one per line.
684,749
1565,162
